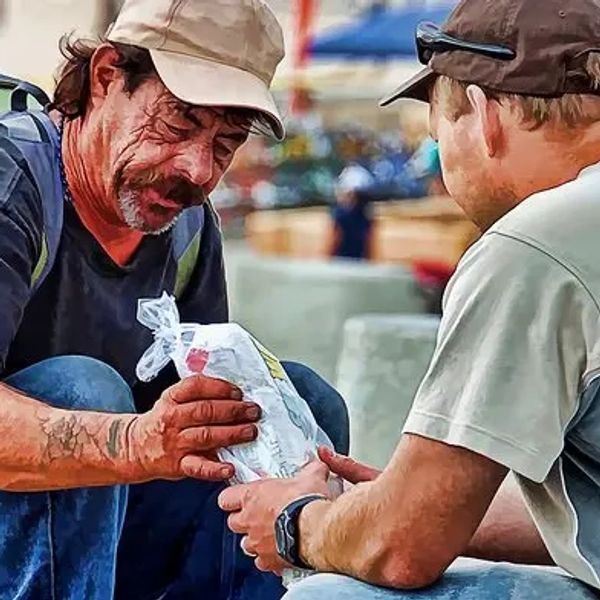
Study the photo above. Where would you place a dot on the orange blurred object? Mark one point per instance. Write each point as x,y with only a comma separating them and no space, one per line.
305,15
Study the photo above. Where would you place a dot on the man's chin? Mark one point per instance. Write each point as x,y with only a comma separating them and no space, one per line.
157,228
150,226
151,221
147,218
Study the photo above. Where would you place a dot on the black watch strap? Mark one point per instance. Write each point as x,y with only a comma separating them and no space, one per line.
287,534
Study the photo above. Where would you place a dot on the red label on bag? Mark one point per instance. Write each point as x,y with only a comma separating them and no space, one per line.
197,360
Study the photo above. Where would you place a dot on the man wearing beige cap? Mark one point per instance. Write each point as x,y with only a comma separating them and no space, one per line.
103,200
514,384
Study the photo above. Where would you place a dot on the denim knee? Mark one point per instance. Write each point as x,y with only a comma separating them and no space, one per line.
326,404
76,383
333,587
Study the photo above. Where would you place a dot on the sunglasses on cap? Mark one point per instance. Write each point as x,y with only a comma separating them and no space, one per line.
431,39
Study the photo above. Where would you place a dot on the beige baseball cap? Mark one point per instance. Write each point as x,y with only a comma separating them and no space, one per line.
209,52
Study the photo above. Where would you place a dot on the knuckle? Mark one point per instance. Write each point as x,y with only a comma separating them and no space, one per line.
205,412
179,392
204,437
262,565
168,416
246,497
193,468
348,463
187,469
200,470
168,395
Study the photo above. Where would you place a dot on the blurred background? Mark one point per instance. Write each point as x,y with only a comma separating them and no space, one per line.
340,240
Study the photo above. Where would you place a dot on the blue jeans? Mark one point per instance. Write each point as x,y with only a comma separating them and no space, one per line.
157,540
466,580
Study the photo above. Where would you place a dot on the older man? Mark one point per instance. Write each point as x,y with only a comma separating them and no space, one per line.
103,201
513,385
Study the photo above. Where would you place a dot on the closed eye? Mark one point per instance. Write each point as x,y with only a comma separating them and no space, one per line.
223,148
230,142
178,131
172,132
237,138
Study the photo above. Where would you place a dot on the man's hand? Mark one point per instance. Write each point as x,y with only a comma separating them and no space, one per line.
179,437
404,528
256,506
347,468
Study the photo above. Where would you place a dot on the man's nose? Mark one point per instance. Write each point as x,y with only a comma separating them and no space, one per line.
197,164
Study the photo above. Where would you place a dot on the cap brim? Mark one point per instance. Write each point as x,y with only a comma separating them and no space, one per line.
207,83
416,88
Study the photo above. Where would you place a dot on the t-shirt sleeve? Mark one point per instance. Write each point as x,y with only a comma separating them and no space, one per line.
21,231
205,300
510,355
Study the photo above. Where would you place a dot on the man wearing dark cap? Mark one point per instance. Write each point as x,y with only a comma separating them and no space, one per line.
500,458
109,485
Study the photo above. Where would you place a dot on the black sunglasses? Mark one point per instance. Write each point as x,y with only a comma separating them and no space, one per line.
430,39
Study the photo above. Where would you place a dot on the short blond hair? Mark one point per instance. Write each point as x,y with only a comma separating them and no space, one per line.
569,111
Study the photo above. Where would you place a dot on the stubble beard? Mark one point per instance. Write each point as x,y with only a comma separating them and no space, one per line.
129,205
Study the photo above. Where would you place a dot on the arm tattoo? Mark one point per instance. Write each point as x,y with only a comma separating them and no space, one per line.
66,437
114,443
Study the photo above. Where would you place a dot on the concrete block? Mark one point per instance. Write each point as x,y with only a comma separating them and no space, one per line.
298,309
381,366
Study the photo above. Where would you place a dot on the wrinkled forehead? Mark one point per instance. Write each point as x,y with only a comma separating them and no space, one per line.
204,116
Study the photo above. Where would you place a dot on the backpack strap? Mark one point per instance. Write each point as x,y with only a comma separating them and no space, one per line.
187,236
21,91
37,138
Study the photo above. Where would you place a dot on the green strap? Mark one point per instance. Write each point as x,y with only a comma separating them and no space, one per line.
185,266
41,263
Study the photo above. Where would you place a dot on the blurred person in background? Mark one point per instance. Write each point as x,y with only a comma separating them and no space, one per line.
352,220
500,457
104,201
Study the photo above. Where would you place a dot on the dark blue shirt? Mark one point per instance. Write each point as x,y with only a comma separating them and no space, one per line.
87,304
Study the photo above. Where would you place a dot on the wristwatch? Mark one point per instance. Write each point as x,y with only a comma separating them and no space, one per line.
287,534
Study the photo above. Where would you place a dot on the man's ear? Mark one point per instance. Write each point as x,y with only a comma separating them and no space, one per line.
488,119
103,72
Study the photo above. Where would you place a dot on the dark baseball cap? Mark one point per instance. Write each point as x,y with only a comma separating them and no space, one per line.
525,47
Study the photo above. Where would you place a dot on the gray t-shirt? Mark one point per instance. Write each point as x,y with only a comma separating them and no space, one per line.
516,372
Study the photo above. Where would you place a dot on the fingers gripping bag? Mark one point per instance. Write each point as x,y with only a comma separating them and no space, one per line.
288,433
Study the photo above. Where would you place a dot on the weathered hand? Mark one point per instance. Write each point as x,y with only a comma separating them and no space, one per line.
256,506
347,468
179,437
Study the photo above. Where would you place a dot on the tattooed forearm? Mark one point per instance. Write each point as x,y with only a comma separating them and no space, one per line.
47,448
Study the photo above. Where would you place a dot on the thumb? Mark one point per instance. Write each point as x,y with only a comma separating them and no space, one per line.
348,469
316,468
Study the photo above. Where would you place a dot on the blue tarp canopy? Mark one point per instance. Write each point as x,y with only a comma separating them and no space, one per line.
377,34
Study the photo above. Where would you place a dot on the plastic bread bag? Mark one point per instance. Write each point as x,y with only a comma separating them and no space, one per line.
288,433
